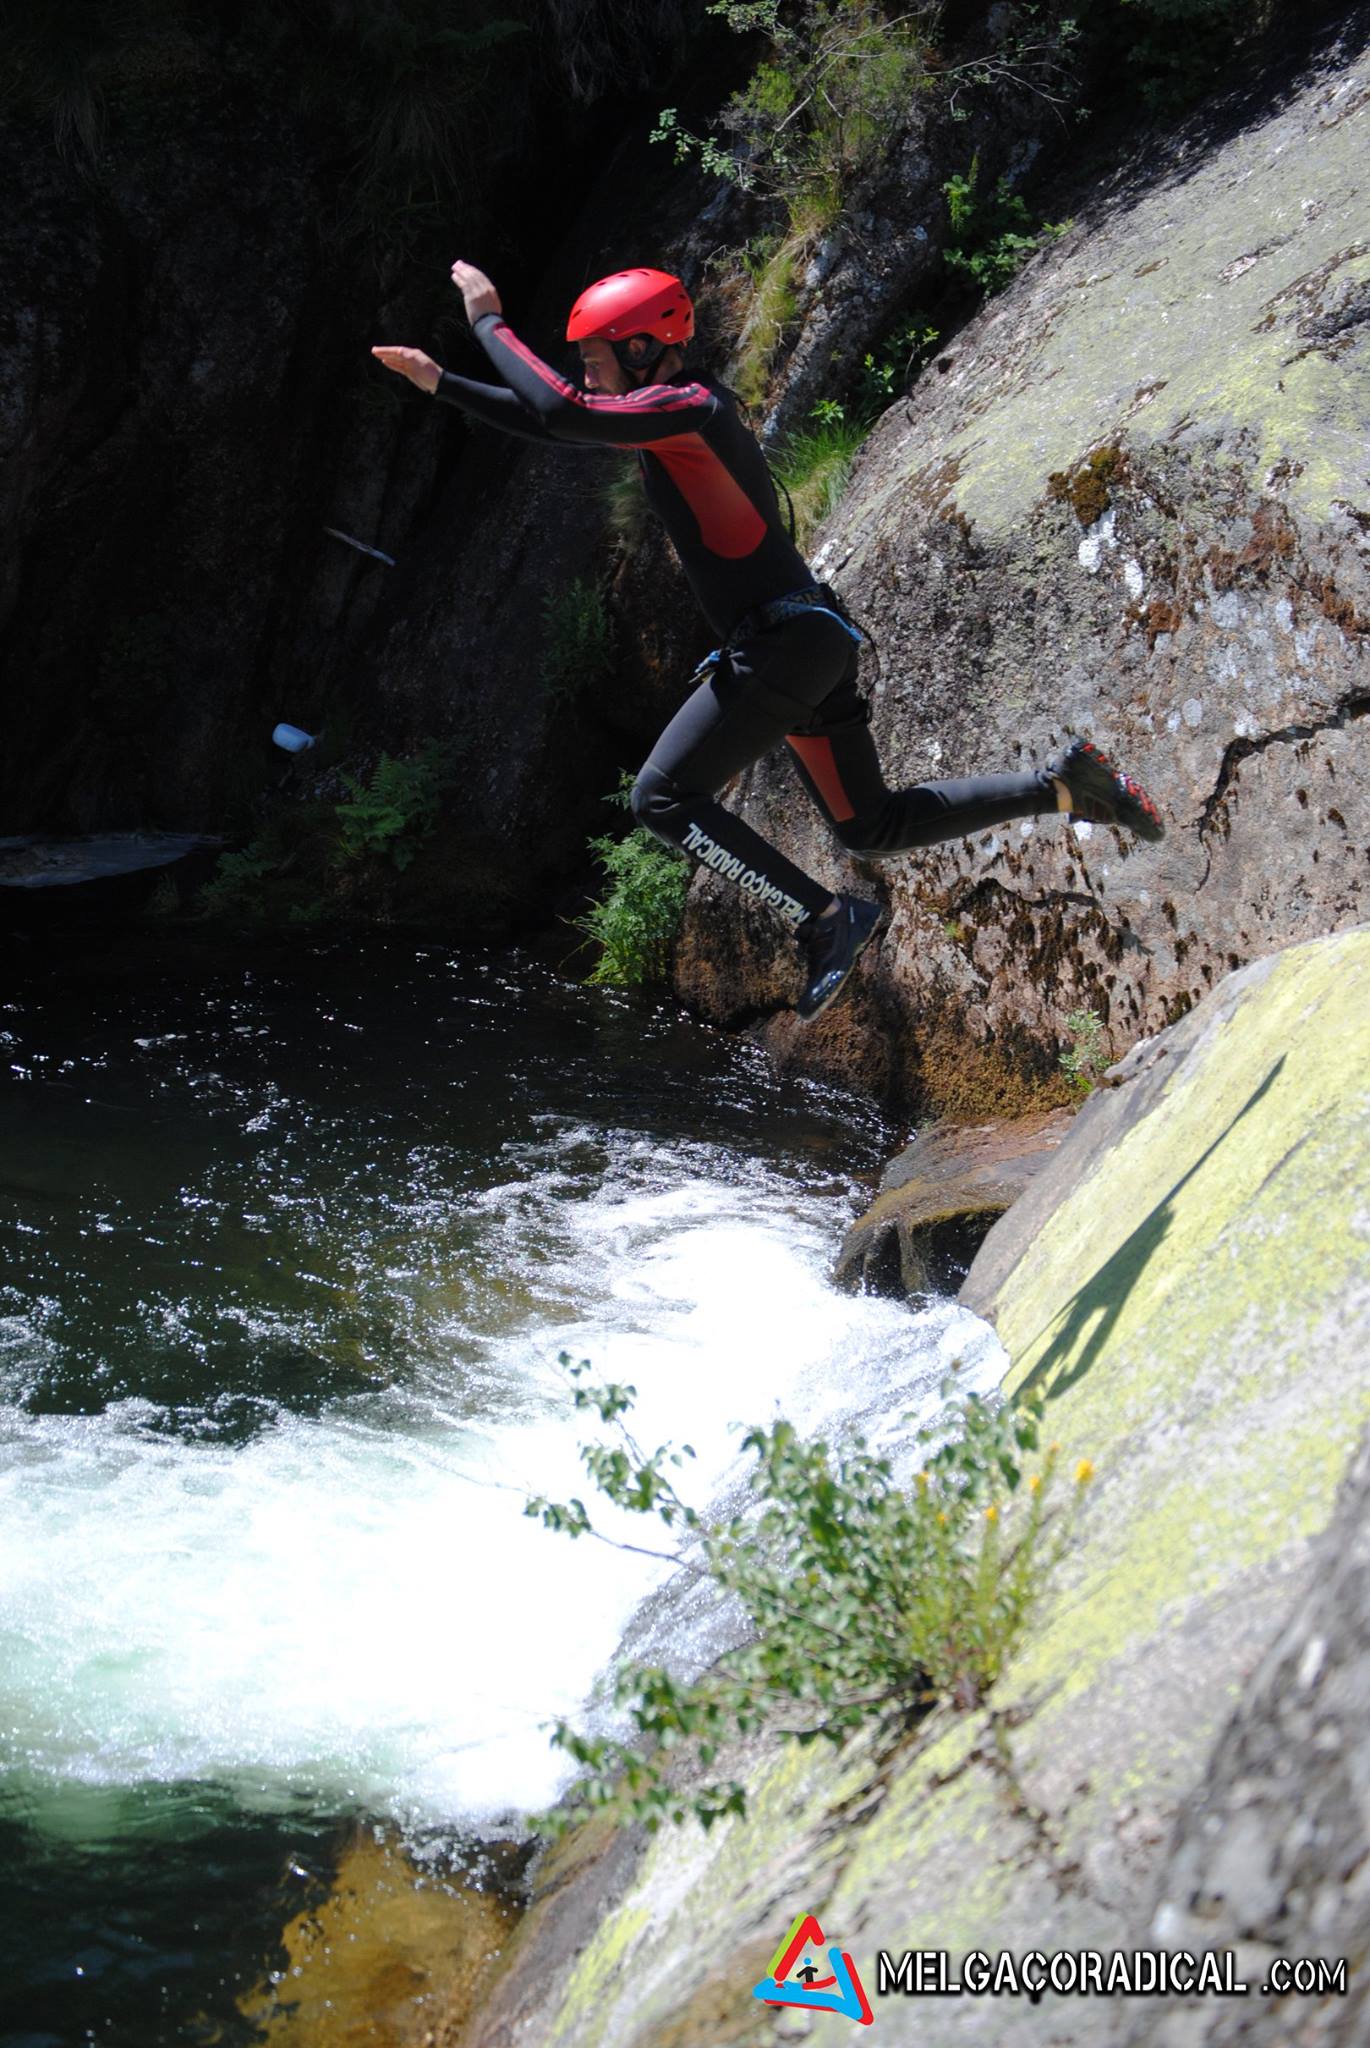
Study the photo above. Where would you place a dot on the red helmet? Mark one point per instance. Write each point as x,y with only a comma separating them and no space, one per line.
633,302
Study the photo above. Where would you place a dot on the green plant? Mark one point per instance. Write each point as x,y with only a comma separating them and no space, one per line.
393,812
773,308
164,902
1086,1057
1171,52
57,53
234,889
625,507
866,1599
634,923
425,79
814,464
991,237
756,254
405,91
835,82
579,647
887,370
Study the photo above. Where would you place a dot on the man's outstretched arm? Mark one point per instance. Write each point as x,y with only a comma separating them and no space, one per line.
655,413
486,402
492,404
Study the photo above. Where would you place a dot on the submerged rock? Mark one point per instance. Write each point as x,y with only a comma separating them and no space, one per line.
368,1964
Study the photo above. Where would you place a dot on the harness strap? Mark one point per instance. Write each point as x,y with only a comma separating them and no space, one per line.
814,597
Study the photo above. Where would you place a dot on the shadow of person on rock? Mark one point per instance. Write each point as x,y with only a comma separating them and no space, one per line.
1091,1313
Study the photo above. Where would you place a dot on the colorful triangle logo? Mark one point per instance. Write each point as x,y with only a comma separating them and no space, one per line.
839,1990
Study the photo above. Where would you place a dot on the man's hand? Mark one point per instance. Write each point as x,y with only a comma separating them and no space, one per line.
475,287
411,363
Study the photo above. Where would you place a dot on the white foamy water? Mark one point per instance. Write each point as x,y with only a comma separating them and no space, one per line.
351,1604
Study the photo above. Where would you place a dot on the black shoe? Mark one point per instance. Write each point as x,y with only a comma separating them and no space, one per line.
1101,794
831,947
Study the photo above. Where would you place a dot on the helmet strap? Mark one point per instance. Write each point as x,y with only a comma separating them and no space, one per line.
639,352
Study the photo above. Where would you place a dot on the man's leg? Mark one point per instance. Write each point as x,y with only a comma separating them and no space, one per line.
734,717
837,761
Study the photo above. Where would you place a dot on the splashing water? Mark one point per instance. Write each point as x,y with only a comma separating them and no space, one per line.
290,1259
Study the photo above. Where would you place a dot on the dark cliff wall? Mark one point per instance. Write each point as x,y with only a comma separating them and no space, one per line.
237,209
221,212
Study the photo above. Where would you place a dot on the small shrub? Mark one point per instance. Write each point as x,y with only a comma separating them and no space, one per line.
867,1599
579,647
772,313
164,902
834,85
1086,1057
991,238
636,921
1173,52
889,369
234,890
394,812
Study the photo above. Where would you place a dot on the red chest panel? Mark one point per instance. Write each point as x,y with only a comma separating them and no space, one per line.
729,523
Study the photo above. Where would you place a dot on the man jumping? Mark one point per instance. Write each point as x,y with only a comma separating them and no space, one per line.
787,665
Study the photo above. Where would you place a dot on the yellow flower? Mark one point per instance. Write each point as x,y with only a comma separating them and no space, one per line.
1084,1472
920,1480
1035,1483
942,1516
991,1514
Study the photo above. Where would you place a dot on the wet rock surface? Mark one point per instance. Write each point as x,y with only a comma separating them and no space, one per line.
938,1198
31,862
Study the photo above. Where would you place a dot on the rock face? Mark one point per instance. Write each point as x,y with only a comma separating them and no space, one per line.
1194,1299
937,1199
1132,502
1270,1856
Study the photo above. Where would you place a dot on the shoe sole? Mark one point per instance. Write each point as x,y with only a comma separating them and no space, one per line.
876,931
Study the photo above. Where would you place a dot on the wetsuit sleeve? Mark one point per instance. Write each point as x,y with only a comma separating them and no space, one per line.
492,404
656,413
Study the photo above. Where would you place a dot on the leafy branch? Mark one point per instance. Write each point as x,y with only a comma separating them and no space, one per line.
866,1599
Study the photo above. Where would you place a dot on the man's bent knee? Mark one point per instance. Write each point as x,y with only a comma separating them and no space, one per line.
656,804
868,833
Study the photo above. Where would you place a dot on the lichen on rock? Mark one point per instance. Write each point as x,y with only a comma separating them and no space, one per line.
1186,1278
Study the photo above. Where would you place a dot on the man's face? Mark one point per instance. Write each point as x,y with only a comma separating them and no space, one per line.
603,371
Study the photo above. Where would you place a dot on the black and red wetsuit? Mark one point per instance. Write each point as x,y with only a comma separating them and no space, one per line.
790,678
